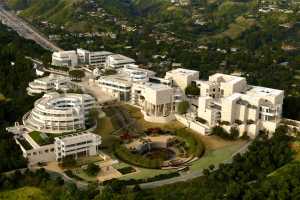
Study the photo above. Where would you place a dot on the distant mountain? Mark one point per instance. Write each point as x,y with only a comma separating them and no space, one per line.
62,11
59,11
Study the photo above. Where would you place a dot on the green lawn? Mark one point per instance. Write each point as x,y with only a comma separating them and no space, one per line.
82,174
285,169
105,126
24,193
215,156
40,139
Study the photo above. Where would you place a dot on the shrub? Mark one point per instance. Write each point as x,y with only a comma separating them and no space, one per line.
92,169
192,90
234,133
250,121
68,162
245,136
239,122
126,170
193,144
226,123
70,174
76,74
136,159
122,183
183,107
221,132
201,120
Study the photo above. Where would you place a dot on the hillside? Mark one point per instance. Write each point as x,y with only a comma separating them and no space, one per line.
60,11
24,193
64,11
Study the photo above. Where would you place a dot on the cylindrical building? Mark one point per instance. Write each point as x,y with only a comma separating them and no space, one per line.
60,113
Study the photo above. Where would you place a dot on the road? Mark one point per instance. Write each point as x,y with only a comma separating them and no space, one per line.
189,175
25,30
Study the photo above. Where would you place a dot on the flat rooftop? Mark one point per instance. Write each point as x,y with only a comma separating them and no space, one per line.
225,78
182,71
103,53
119,57
120,78
263,91
76,137
52,77
157,86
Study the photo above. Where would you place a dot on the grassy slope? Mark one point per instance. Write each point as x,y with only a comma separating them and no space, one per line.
25,193
58,11
293,164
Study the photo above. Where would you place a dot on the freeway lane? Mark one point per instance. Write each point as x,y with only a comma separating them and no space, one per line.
25,30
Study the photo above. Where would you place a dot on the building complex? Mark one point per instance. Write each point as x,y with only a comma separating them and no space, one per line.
223,100
48,83
57,113
230,102
72,145
76,145
84,57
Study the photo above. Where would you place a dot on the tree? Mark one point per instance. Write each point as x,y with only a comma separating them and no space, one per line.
234,133
192,90
183,107
76,74
92,169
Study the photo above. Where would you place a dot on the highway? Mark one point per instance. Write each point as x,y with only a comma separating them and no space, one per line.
25,30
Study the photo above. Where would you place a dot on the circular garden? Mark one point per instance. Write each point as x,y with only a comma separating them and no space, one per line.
157,148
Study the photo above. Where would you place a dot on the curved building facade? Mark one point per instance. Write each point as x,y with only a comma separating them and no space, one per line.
60,113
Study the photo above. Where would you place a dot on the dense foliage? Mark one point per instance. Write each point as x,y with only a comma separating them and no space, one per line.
15,72
55,188
192,90
183,107
92,169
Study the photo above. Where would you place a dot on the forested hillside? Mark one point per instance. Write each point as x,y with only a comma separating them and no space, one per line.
15,72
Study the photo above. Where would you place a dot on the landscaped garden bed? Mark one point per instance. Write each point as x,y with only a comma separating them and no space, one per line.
41,138
159,148
127,170
25,144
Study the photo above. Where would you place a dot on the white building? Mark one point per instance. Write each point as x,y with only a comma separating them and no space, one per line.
80,57
65,58
97,58
158,102
230,102
224,100
47,84
60,113
77,145
34,152
118,61
119,85
182,77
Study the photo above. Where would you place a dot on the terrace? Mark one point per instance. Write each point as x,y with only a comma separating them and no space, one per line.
41,138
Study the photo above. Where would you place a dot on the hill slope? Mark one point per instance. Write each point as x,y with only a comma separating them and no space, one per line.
25,193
